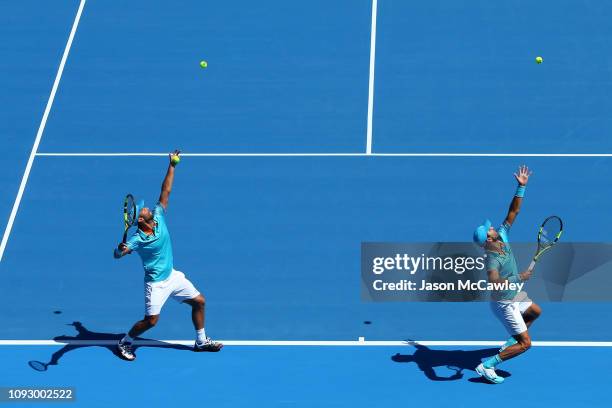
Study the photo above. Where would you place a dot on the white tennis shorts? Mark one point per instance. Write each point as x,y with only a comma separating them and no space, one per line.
510,313
176,286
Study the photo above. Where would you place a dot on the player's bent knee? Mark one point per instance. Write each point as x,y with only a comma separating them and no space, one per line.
536,310
196,302
152,320
525,344
523,341
200,300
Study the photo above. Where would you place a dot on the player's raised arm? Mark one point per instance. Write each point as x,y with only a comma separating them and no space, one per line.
522,177
169,179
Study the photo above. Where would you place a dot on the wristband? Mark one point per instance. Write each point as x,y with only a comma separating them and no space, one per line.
520,191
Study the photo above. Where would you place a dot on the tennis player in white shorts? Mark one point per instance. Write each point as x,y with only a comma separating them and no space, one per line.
176,286
152,242
514,309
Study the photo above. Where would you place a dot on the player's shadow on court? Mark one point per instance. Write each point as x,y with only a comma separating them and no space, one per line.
87,338
428,360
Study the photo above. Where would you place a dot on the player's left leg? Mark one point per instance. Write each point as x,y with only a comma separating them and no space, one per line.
198,312
185,292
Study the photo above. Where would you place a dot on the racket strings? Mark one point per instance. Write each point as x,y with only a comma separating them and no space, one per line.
550,232
547,238
129,210
133,214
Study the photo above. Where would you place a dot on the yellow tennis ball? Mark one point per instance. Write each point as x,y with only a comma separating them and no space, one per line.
175,160
203,64
539,60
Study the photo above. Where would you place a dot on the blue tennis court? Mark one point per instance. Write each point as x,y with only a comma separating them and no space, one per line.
277,190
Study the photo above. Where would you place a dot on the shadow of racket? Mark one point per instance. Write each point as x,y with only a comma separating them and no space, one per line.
38,365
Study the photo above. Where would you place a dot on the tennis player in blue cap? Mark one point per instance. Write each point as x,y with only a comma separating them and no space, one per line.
514,309
152,242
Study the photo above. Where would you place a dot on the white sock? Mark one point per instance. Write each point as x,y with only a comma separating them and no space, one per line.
127,339
200,336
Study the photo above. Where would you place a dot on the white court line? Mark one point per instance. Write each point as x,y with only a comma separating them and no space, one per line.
41,129
135,154
316,343
201,154
371,81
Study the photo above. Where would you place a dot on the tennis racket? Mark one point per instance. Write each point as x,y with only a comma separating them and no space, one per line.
548,235
129,214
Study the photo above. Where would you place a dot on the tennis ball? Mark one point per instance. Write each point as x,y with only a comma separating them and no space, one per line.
203,64
539,60
175,160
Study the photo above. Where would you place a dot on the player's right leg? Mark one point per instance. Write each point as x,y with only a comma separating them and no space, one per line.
486,369
531,314
523,343
509,314
530,311
125,344
156,294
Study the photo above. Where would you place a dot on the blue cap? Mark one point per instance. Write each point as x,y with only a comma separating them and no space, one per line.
139,206
480,233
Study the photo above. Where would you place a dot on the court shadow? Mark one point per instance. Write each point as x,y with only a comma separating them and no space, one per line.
86,338
427,360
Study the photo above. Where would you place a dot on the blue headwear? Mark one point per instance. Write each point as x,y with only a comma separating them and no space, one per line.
139,206
480,233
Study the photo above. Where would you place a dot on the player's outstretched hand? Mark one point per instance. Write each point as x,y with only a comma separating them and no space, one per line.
122,247
523,175
174,157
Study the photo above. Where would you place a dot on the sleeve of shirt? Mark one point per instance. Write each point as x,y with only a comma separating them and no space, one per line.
493,264
133,242
159,211
504,231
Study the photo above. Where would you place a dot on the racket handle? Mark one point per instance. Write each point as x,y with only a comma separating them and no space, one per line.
531,266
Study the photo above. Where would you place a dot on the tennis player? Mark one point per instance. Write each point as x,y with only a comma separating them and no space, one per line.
514,309
152,242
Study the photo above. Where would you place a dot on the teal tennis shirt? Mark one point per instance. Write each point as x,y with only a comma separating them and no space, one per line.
504,263
155,250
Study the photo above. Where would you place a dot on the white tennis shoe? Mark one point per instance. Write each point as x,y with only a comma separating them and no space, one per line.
125,350
489,374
